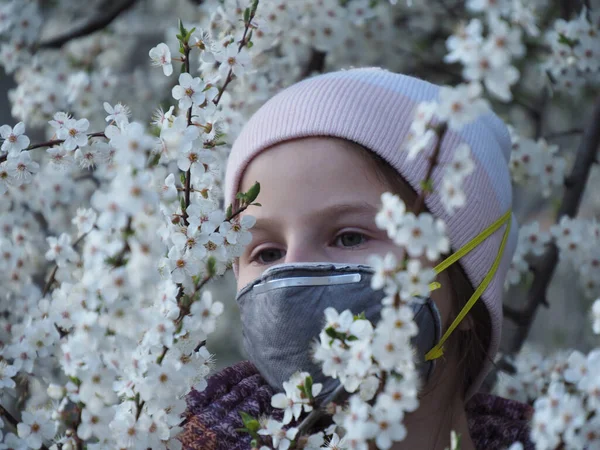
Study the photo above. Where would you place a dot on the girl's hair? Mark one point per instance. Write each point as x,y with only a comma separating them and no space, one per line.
472,345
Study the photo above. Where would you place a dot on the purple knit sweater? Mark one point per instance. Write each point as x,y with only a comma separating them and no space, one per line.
213,415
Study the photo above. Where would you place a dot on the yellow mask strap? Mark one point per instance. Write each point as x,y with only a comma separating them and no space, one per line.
438,349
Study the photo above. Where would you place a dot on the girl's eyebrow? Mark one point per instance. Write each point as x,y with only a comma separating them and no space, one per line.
332,211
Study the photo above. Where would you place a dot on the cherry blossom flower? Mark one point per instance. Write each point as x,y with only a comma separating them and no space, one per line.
232,59
293,401
452,195
390,427
73,133
391,214
21,168
6,177
281,438
532,239
35,428
119,113
161,56
423,235
205,312
415,280
60,158
84,220
189,91
596,316
461,105
60,249
385,268
14,138
464,41
6,373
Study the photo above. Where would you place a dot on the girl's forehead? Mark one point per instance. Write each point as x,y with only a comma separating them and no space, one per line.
309,180
320,160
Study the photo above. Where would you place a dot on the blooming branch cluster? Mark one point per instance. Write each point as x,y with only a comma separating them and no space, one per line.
578,243
489,59
565,391
536,163
574,59
117,339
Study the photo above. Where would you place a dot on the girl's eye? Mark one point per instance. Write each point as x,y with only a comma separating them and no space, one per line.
351,239
268,256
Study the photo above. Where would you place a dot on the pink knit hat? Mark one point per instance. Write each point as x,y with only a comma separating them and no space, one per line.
374,108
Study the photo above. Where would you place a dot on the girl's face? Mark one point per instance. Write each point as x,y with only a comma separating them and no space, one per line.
319,200
318,204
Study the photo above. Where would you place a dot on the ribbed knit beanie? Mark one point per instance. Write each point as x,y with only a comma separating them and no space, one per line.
374,108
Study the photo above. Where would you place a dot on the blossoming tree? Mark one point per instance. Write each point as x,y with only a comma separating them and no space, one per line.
112,225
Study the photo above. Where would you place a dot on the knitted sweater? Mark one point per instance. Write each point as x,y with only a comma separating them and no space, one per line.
212,415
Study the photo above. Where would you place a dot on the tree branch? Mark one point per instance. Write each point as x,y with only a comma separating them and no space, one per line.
546,264
97,23
316,63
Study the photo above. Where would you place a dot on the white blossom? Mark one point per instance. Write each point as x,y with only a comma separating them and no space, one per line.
461,105
232,59
596,316
14,138
161,56
188,91
35,428
73,132
281,438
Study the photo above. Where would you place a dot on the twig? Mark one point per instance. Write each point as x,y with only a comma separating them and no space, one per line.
51,143
97,23
8,416
564,133
316,63
545,265
230,73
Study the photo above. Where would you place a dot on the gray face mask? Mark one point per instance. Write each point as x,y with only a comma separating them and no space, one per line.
282,313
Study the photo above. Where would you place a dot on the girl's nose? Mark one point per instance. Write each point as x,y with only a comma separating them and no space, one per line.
304,252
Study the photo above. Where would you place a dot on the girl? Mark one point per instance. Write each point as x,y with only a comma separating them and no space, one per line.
324,150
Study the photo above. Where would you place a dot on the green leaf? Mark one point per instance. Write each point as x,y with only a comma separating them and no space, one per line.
182,30
188,36
360,316
253,192
567,41
352,338
229,211
250,422
308,384
427,185
211,265
249,44
254,6
182,178
255,204
331,332
247,15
